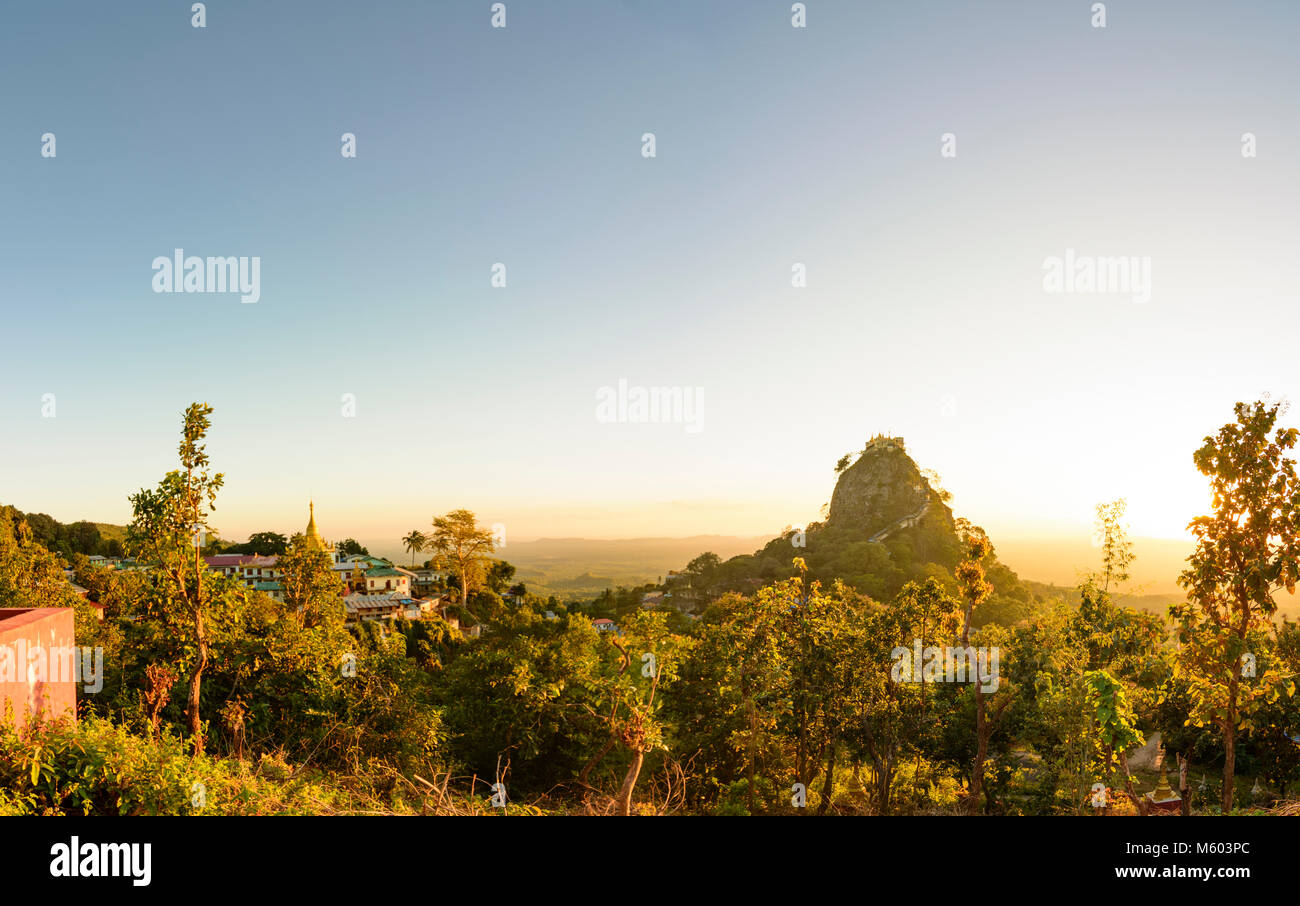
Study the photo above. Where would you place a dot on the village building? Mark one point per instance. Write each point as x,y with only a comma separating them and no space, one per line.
358,574
427,581
372,588
270,587
248,568
388,580
380,607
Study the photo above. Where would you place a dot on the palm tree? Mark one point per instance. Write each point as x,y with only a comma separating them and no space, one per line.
415,542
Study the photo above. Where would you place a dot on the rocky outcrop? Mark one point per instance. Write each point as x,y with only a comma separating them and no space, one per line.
880,493
886,525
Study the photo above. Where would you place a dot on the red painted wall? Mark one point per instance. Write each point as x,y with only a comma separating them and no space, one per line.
23,685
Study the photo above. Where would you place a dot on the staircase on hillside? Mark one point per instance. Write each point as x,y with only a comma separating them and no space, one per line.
906,522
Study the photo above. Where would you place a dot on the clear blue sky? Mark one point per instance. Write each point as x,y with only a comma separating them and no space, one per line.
924,313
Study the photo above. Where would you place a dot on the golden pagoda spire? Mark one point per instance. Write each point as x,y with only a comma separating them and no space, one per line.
313,537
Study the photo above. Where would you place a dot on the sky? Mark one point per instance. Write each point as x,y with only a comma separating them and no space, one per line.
382,374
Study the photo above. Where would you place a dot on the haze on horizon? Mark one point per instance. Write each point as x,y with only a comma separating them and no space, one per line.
924,313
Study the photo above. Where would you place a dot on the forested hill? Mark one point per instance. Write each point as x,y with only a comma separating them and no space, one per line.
66,539
887,525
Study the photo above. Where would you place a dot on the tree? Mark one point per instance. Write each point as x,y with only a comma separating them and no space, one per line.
734,694
83,537
44,528
925,613
267,543
634,719
975,591
1116,550
414,542
935,481
352,548
311,587
1114,724
890,705
1275,726
166,531
702,570
30,574
815,627
1246,549
457,537
499,575
776,691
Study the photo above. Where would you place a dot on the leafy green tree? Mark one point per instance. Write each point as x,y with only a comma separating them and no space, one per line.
1246,549
647,661
527,695
311,587
828,653
1055,717
1119,639
458,539
352,548
499,574
704,568
267,544
727,710
774,692
924,613
1114,724
1273,729
83,538
32,576
44,529
970,573
892,703
1116,550
165,532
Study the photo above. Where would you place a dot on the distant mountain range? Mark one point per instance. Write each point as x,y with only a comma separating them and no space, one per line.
586,565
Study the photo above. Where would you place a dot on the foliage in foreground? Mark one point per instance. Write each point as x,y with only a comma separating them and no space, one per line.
99,768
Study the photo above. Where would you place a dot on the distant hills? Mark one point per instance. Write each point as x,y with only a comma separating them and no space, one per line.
884,494
585,566
70,538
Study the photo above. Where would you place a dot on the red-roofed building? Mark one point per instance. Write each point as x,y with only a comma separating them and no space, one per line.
248,568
